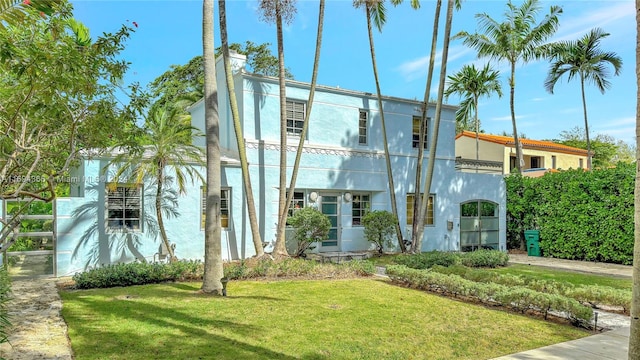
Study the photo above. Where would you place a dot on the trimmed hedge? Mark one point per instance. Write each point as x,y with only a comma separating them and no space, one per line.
479,258
594,295
290,267
137,273
581,215
516,297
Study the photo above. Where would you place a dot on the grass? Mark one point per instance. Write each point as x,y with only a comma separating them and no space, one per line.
575,278
322,319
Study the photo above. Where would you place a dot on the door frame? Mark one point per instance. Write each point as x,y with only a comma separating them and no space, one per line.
338,215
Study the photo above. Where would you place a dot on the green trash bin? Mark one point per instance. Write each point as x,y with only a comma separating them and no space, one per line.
533,242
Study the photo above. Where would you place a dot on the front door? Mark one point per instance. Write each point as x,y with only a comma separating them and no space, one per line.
479,225
330,206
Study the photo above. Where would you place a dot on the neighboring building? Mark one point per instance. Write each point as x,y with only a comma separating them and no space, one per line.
342,173
499,153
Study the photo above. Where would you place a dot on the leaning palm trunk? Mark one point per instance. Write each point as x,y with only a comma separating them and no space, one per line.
634,335
213,271
586,122
242,152
163,232
423,131
294,174
436,125
280,247
392,188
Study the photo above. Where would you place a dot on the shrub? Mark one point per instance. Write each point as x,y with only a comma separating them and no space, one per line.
310,225
429,259
379,228
5,296
137,273
291,267
485,258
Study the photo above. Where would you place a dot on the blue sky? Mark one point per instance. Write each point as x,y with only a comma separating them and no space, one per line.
170,32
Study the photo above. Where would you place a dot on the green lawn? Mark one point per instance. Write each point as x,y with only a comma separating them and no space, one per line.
328,319
576,278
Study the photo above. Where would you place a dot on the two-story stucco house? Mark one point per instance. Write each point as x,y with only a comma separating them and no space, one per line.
342,173
501,151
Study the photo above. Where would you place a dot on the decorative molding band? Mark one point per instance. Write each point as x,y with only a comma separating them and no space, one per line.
317,150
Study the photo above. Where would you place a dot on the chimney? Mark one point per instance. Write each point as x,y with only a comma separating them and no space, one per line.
238,61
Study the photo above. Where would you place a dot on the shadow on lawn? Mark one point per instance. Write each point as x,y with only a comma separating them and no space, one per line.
196,338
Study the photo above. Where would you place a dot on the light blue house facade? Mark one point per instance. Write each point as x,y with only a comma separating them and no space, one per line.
342,173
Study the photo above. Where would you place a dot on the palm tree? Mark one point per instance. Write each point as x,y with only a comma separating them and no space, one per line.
518,39
471,84
213,271
416,245
13,11
375,11
634,334
279,10
163,150
242,152
584,59
294,173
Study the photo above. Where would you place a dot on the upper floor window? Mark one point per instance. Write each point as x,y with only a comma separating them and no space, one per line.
416,132
362,127
295,117
360,206
224,207
428,216
124,211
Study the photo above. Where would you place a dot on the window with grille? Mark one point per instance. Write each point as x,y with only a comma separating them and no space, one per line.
360,206
295,117
428,216
416,132
362,127
124,209
224,207
297,202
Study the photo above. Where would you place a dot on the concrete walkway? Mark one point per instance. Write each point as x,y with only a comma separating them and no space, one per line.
609,345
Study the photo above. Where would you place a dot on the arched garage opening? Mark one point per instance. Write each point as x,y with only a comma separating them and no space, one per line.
479,225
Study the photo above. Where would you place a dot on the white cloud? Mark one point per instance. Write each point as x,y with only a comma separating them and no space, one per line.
417,68
508,117
610,11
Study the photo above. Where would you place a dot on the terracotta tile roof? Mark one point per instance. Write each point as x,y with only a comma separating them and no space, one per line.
526,143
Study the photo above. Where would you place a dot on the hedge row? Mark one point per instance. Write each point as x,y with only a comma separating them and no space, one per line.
480,258
137,273
594,295
581,215
5,296
518,298
291,267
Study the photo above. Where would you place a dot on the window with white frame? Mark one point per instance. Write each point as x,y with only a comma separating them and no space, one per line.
416,132
360,206
428,216
124,210
362,127
224,207
295,117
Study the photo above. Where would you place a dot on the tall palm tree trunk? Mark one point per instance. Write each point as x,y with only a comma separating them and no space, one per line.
586,122
280,246
213,271
634,335
512,94
392,188
475,104
436,124
314,76
163,232
423,130
242,150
